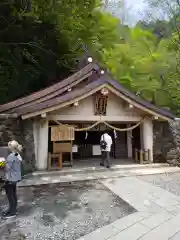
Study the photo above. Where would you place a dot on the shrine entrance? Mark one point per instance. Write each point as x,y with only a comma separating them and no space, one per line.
88,144
70,149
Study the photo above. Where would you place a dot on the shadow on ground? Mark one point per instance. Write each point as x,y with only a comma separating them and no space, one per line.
62,211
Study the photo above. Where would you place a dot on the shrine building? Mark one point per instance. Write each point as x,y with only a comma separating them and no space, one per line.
69,117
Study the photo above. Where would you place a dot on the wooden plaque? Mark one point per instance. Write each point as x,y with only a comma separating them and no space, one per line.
100,105
62,133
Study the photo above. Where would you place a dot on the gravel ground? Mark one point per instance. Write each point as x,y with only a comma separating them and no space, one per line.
62,211
168,181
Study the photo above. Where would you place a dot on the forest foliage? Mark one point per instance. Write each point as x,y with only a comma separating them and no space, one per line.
41,41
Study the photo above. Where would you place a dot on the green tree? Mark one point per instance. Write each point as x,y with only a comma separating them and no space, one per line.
160,28
30,54
46,41
140,63
171,10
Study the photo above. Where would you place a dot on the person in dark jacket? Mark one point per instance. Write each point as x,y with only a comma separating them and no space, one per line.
12,176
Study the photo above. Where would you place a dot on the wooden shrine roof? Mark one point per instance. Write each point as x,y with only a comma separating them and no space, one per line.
49,92
50,98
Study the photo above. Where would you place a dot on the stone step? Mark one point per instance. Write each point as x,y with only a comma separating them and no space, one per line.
57,177
95,169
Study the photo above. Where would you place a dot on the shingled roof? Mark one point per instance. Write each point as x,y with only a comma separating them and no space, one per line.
51,97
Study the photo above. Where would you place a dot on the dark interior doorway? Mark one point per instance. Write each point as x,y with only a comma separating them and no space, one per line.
85,141
136,139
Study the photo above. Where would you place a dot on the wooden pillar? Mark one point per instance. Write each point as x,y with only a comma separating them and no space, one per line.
129,142
36,126
147,132
42,147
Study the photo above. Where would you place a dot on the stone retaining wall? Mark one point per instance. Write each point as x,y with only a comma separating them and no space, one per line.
22,131
167,142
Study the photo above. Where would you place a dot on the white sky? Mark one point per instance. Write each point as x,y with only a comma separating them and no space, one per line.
135,10
138,7
136,3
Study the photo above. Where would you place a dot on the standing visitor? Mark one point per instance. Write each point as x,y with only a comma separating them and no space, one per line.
12,176
105,144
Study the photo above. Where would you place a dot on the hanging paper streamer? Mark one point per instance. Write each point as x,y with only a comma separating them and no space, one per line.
86,135
115,135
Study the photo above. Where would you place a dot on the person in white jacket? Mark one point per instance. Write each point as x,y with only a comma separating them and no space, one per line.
105,143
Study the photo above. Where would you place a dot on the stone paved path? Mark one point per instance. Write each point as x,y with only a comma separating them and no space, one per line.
167,181
158,215
158,209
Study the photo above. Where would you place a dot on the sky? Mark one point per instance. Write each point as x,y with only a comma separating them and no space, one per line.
137,4
135,11
138,7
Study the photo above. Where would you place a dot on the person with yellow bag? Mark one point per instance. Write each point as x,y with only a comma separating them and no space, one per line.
2,166
12,168
2,163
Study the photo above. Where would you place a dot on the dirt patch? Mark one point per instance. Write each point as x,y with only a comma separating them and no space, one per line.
63,211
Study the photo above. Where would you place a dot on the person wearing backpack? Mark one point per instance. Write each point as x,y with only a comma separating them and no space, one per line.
12,176
105,144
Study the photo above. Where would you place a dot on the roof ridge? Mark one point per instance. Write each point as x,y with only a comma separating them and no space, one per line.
48,90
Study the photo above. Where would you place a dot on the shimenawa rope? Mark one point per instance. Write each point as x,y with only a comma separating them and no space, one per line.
107,124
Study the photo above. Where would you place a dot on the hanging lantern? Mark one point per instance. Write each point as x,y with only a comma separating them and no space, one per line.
43,115
102,72
76,104
131,106
104,91
90,59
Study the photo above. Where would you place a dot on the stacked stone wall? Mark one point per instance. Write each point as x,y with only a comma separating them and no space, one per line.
167,142
21,131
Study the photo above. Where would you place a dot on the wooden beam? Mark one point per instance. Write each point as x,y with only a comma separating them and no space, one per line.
8,116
